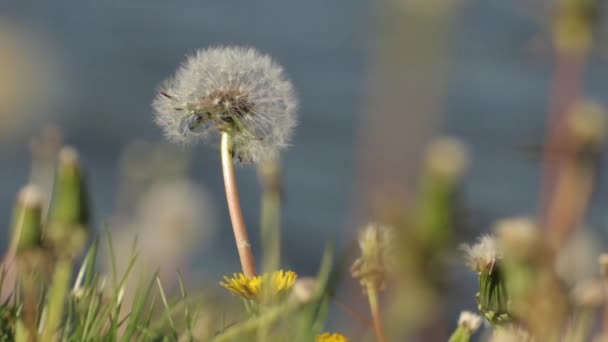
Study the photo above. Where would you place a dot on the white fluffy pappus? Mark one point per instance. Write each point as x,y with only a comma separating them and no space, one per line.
469,321
482,254
229,89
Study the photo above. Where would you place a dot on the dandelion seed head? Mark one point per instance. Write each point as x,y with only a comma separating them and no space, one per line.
377,246
229,89
482,254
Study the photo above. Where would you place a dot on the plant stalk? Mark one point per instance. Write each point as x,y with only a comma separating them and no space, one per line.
234,206
372,295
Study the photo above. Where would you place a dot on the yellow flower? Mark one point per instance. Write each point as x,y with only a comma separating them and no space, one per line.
243,286
328,337
283,281
249,288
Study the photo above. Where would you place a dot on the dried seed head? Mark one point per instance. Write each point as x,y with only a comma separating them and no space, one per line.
483,254
377,253
229,89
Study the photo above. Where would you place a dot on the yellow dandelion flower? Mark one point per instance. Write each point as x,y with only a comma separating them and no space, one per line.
329,337
242,285
283,281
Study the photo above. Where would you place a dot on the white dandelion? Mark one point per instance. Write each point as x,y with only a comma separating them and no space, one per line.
241,95
233,90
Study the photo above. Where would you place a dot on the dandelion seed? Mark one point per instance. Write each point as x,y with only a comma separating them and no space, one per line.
229,89
329,337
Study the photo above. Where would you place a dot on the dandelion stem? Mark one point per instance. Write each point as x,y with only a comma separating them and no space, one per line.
372,295
234,206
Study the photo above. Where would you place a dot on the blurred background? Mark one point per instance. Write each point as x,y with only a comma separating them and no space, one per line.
376,80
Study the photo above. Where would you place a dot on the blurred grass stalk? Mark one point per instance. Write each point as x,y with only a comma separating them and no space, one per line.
269,173
572,41
577,155
26,242
410,54
270,220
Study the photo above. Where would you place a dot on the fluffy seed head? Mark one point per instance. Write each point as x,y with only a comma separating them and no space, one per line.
483,254
229,89
372,268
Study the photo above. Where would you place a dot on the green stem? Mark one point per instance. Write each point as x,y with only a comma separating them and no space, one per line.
57,299
270,176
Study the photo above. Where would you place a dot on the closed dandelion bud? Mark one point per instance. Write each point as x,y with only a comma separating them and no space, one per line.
27,223
69,213
485,258
519,240
233,90
468,324
371,268
447,161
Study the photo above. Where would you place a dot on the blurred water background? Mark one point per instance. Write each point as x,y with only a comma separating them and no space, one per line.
108,56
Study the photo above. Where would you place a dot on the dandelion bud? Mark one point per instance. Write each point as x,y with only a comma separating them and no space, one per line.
69,212
485,258
27,223
520,241
376,253
235,90
448,158
468,323
518,236
436,214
